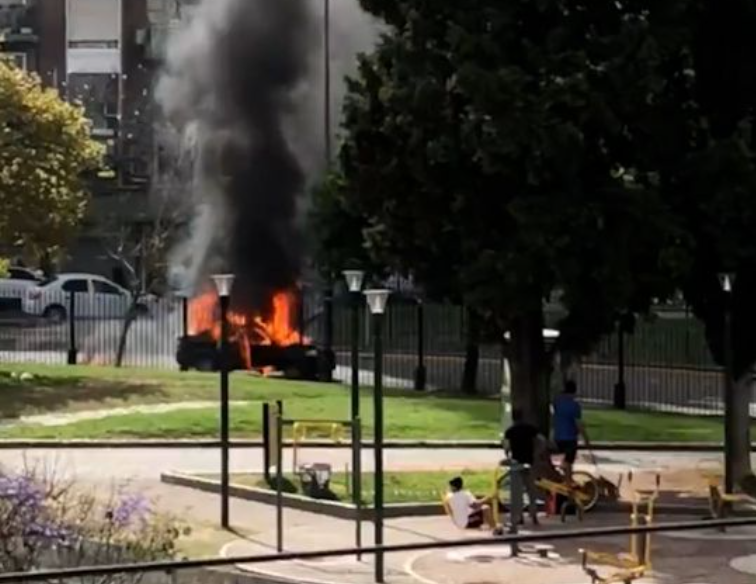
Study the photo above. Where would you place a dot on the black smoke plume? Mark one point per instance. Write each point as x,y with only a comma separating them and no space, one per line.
230,89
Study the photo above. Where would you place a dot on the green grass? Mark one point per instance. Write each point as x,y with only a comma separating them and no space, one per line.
399,487
408,415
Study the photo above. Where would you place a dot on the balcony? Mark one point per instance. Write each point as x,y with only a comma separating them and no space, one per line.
17,23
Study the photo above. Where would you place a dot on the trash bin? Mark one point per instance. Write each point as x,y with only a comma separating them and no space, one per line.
316,480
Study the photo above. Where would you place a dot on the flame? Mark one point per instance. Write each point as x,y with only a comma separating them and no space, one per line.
247,329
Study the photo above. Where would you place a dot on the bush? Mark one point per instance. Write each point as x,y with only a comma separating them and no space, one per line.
47,522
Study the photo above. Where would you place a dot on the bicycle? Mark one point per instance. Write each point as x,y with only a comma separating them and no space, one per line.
583,491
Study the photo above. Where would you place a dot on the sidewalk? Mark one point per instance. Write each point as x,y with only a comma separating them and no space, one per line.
695,558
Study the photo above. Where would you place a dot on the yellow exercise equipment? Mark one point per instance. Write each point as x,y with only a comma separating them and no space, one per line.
581,495
720,502
635,564
303,431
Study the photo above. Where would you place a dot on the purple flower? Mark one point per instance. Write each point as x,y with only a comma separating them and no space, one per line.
51,533
129,509
21,492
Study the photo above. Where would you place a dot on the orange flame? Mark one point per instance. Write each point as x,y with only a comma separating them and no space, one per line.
246,329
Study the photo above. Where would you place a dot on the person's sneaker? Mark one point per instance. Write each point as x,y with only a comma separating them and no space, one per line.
498,531
535,520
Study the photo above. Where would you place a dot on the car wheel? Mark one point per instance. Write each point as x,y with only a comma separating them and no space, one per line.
56,314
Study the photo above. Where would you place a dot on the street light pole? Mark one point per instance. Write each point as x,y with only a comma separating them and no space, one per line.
377,300
727,281
354,279
327,79
223,283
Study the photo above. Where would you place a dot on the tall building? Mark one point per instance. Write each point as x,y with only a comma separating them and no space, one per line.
104,54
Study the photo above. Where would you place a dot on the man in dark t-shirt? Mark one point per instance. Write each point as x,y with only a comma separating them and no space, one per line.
521,444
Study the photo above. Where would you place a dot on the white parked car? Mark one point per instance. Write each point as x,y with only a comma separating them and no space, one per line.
96,297
13,287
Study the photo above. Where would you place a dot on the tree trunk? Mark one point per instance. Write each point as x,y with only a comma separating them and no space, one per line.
530,369
741,419
127,322
472,355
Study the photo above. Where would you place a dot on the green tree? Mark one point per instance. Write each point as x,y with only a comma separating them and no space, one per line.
488,151
45,148
706,160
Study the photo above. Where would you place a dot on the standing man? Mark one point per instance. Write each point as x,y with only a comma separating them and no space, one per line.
521,446
568,427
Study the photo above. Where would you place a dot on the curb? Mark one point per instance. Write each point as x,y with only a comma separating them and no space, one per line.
50,444
392,511
301,503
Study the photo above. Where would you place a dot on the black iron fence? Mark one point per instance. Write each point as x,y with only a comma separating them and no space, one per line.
667,365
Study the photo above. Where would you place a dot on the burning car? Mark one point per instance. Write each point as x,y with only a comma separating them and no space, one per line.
256,343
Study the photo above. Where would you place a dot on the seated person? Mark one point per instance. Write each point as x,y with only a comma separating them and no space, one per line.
467,511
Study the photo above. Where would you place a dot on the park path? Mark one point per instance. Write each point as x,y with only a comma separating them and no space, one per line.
706,561
98,465
63,419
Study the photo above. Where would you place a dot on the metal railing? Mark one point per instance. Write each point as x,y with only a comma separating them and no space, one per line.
170,566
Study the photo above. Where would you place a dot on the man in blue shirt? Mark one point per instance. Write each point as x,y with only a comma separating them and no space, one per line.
568,426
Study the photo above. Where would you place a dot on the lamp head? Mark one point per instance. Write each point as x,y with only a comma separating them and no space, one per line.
354,279
727,281
377,300
224,283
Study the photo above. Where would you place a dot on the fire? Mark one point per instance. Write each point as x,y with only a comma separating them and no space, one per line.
246,329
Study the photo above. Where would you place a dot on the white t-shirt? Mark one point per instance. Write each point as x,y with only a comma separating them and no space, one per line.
460,506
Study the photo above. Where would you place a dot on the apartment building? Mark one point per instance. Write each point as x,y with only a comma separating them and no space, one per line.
105,54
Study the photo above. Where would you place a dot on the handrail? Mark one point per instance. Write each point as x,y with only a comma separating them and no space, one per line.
174,565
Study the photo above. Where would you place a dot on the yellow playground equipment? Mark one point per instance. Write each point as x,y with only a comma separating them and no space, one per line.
631,566
582,493
720,501
305,430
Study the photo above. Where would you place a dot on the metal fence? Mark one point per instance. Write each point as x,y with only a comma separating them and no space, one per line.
87,329
667,365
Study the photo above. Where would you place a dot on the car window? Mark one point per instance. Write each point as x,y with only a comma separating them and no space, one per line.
21,274
76,286
101,287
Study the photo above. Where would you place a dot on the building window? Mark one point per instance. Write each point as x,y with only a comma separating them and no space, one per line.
18,59
98,94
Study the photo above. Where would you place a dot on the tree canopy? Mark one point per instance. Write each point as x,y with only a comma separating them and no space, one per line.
493,149
45,147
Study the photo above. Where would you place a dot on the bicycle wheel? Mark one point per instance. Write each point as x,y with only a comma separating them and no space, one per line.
588,487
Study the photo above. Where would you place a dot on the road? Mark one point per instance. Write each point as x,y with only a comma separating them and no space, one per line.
107,466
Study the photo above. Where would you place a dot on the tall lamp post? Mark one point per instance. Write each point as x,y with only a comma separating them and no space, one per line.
224,283
354,279
727,281
377,300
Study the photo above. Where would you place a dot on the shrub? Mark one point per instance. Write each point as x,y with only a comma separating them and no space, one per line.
46,522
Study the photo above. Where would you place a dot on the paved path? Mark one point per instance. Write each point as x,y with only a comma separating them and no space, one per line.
62,419
139,464
706,560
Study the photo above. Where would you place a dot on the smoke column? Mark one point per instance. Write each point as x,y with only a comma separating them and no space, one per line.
242,86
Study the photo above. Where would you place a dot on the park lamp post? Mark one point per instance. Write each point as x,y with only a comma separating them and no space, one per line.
354,280
223,284
377,301
727,282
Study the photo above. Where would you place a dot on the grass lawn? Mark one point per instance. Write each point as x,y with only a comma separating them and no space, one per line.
408,415
399,487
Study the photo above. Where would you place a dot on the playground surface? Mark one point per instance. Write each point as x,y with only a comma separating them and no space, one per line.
686,558
704,559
